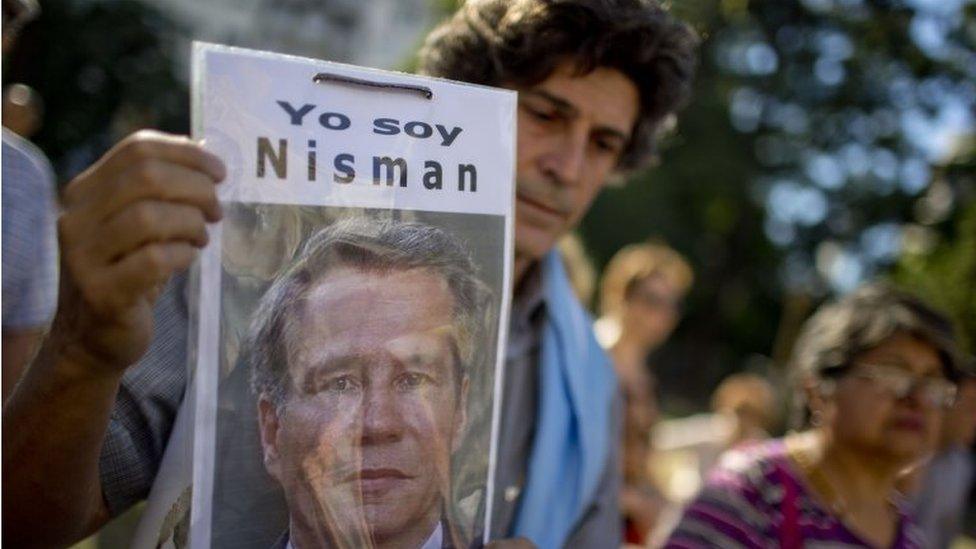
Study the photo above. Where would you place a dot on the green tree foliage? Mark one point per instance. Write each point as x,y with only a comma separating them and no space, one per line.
945,275
855,106
818,148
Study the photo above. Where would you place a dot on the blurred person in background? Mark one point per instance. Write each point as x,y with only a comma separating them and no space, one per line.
743,411
640,302
749,403
641,294
946,481
30,249
875,370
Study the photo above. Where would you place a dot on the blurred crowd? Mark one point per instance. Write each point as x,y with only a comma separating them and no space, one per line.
869,420
881,406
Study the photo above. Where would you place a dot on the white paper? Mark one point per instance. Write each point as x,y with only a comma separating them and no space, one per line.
380,422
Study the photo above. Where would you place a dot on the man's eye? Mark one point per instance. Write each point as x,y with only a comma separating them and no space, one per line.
540,114
411,381
608,146
341,385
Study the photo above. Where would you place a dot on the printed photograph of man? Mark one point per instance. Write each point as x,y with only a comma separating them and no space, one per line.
359,355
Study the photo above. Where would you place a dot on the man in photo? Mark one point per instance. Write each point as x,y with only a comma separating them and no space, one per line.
359,356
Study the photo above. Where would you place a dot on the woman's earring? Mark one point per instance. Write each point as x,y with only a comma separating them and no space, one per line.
816,417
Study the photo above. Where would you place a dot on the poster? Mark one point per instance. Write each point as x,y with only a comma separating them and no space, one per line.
349,311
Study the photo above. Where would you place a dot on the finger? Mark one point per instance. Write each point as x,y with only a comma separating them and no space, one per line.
82,223
146,222
154,145
146,145
136,276
160,181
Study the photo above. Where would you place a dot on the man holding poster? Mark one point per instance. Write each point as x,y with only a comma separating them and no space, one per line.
596,80
359,355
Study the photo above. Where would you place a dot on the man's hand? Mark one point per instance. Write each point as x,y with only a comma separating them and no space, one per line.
131,221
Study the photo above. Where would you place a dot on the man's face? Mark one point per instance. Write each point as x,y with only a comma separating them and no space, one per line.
362,442
571,132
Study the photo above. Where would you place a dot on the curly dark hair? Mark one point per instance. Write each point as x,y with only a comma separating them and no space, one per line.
521,42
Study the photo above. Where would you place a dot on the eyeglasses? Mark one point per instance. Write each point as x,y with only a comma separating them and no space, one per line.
899,383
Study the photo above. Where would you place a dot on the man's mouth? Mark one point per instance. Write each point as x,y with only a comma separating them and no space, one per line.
376,482
538,205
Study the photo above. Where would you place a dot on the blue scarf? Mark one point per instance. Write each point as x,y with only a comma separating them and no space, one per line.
572,438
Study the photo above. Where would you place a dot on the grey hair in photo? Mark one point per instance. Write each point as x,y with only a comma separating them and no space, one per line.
371,246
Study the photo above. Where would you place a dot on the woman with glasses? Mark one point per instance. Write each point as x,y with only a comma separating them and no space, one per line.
874,372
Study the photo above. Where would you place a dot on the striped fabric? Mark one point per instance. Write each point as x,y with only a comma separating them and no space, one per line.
756,499
30,248
146,405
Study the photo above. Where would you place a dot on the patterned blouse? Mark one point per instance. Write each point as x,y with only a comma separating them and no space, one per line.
756,499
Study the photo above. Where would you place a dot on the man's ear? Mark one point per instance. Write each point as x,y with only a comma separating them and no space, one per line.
461,417
268,426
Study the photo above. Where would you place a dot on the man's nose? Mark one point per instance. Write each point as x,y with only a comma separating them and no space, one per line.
566,159
382,420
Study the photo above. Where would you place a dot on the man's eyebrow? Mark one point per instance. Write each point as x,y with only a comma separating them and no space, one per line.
608,131
558,102
568,109
334,363
331,362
